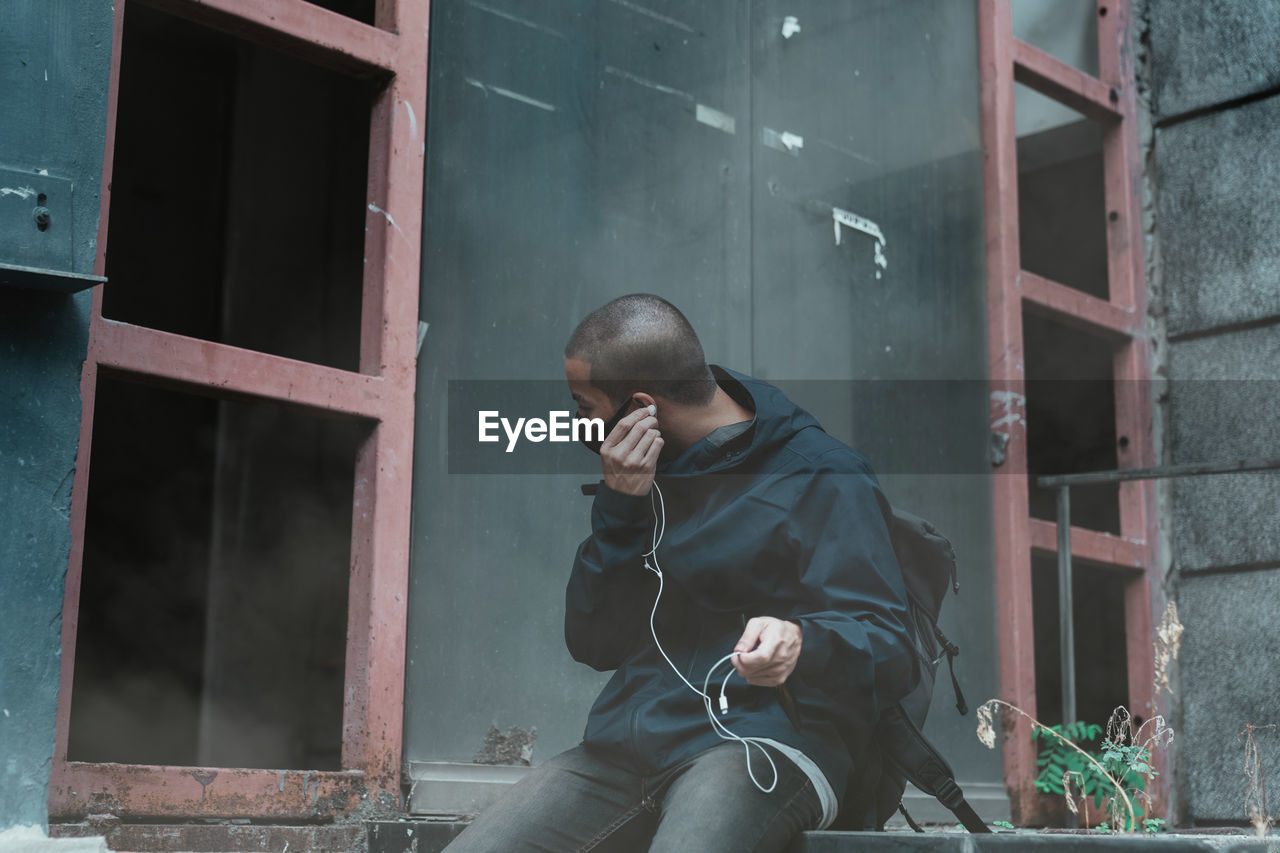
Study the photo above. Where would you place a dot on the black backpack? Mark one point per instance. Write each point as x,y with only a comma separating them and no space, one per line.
897,751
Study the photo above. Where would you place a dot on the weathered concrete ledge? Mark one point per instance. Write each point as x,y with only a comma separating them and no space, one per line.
32,839
427,836
432,836
1034,842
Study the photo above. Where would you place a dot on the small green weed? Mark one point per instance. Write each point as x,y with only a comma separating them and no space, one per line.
1121,772
1060,762
1067,766
1116,777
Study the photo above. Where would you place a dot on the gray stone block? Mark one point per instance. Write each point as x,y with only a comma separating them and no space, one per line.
1242,354
1224,405
1218,219
1224,396
1226,520
1205,53
1230,649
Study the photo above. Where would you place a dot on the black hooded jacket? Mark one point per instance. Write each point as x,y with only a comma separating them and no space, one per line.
783,520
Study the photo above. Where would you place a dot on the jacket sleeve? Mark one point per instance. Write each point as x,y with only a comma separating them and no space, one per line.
609,593
855,644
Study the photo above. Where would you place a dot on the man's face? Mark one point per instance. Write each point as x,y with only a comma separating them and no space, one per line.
592,402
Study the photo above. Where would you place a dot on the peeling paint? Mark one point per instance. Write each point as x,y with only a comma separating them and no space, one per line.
1011,403
423,325
516,19
507,93
390,220
657,16
866,226
1005,397
515,746
1011,418
782,140
714,118
413,121
21,192
647,83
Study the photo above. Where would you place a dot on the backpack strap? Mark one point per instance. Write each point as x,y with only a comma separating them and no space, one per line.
910,754
967,816
915,827
951,650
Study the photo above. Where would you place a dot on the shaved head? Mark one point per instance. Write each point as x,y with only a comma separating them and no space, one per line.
641,342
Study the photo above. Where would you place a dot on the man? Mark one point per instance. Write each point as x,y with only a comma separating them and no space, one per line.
728,525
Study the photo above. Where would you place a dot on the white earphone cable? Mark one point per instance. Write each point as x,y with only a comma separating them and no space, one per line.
723,731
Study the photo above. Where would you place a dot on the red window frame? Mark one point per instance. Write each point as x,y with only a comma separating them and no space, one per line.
393,51
1119,321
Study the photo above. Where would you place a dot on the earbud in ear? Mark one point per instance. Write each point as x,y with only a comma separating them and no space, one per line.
653,410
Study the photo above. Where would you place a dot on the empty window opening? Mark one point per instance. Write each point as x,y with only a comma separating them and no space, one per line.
1071,420
1062,218
238,194
1102,669
213,601
360,10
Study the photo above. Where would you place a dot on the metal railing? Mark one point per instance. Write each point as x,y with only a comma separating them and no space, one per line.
1063,483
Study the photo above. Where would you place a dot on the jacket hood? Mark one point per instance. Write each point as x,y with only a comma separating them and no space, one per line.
776,420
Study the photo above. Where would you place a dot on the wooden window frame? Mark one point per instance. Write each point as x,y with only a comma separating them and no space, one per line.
392,52
1119,321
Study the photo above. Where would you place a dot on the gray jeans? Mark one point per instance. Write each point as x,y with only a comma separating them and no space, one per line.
576,802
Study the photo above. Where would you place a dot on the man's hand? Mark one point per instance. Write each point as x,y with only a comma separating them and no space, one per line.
630,453
769,650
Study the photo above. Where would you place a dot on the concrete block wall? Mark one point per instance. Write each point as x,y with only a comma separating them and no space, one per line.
1213,74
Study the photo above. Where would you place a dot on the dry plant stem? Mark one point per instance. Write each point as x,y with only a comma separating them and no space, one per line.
1168,640
1070,798
1039,725
1256,795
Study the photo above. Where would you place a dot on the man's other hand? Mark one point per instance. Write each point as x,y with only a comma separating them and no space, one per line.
769,649
630,453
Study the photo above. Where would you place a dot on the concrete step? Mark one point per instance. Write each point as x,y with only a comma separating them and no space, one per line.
1032,842
220,837
431,837
422,836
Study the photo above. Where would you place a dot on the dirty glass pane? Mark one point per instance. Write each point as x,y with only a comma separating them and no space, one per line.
802,179
1064,29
